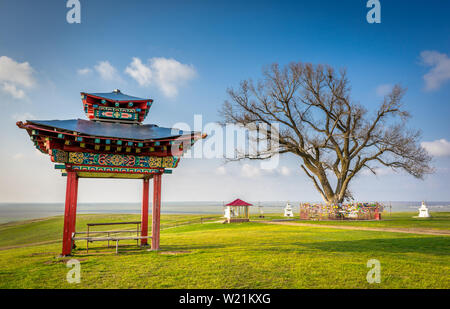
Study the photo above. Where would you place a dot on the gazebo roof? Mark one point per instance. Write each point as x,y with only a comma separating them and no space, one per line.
238,202
116,96
113,130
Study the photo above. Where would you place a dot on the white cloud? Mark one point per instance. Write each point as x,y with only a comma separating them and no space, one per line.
383,90
15,77
140,72
250,171
107,71
22,117
437,148
442,170
18,156
285,171
84,71
440,69
170,74
167,74
12,90
221,170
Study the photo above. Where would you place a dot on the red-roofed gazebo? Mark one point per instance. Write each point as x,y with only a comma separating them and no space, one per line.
237,211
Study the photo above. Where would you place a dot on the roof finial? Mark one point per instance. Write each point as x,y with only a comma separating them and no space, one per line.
116,91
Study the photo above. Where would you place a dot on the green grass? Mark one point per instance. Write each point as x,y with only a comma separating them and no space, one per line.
248,255
48,229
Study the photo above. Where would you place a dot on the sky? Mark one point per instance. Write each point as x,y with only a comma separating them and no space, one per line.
185,54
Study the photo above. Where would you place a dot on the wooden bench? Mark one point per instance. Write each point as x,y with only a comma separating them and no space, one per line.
109,237
236,220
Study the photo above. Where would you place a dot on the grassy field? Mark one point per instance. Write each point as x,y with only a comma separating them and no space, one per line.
248,255
438,221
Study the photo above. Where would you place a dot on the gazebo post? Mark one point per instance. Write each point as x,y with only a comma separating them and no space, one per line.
144,213
73,207
156,211
68,213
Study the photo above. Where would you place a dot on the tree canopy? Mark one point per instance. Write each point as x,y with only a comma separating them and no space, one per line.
334,137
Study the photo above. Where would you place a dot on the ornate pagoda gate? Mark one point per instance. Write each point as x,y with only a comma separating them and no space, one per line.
113,143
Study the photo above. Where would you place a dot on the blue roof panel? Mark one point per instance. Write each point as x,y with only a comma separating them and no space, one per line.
113,130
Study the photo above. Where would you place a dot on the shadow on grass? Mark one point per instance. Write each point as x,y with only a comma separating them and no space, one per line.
192,247
128,249
427,245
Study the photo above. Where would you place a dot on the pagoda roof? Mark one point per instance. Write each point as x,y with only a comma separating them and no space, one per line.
113,130
238,202
116,96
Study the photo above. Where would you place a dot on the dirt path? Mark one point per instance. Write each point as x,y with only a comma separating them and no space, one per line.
363,228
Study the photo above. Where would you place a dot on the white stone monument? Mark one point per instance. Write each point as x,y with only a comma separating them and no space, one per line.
423,211
288,211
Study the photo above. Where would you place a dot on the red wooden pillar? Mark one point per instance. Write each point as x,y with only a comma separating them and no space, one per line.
73,208
156,211
69,212
144,214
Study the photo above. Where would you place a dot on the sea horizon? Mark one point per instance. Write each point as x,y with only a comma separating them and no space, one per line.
15,211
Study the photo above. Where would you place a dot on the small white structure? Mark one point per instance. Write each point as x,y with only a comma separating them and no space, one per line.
229,212
288,211
423,211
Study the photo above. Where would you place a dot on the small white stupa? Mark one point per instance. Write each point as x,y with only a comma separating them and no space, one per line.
288,211
423,211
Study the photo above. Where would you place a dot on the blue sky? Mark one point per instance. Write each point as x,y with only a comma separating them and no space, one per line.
213,45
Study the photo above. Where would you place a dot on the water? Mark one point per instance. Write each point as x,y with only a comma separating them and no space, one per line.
16,211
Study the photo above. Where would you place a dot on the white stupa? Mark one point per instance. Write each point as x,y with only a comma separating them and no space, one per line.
423,211
288,211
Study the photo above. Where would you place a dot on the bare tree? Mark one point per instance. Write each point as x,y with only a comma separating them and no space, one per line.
335,137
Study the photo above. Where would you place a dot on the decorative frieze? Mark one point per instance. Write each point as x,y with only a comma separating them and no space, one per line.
107,169
116,113
87,158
